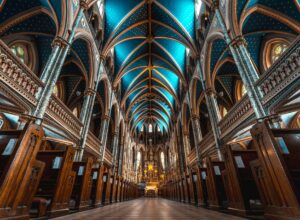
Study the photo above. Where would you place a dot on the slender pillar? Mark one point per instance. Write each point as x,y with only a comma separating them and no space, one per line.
244,64
85,118
103,136
57,45
186,144
120,164
213,111
53,73
197,135
180,157
115,144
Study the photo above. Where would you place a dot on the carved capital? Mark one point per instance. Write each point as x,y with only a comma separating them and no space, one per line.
84,4
59,41
195,117
105,117
90,92
215,5
209,91
239,40
102,58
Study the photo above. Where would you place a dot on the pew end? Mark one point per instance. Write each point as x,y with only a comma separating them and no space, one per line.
80,197
240,185
20,172
55,187
277,172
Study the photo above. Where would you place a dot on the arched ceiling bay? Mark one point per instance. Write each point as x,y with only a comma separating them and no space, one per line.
149,40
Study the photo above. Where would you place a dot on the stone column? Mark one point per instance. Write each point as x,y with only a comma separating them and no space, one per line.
120,164
213,111
115,144
103,136
57,45
85,118
244,64
186,145
197,135
53,73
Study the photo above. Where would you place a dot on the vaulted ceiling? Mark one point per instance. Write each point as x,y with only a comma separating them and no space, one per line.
149,41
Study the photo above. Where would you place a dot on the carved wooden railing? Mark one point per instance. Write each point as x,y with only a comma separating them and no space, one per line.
21,79
17,75
206,143
277,83
93,143
282,73
59,111
278,80
237,114
108,157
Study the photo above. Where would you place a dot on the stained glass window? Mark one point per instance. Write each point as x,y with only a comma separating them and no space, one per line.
75,111
162,158
138,159
277,50
20,51
55,91
150,128
223,111
243,90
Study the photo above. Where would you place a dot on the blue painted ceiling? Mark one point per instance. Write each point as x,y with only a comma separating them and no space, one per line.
149,40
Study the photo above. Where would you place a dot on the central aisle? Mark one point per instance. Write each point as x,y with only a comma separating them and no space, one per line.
148,209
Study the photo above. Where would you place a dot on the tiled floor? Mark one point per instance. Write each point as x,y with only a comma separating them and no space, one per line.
148,209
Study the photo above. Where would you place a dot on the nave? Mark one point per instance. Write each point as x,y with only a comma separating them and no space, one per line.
107,101
149,209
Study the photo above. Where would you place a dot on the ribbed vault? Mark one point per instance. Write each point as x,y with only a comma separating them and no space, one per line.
149,40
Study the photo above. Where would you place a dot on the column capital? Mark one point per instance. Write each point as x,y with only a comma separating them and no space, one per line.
59,41
238,40
89,92
185,133
84,4
105,117
195,117
210,91
215,5
102,58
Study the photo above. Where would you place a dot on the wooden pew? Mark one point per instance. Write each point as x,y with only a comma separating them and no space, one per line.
106,186
20,172
109,187
81,193
113,190
190,186
241,190
215,187
177,196
277,172
97,176
185,186
123,190
194,180
202,187
54,190
118,194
